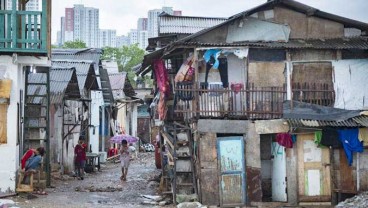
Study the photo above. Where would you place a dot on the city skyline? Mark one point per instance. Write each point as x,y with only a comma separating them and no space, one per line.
124,15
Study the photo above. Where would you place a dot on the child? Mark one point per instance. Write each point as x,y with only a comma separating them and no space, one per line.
124,159
80,158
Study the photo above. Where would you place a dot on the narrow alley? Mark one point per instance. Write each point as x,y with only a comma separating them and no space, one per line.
101,189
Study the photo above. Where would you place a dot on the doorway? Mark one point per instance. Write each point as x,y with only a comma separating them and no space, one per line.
273,169
313,170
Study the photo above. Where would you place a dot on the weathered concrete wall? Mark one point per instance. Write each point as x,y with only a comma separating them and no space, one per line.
9,152
252,147
223,126
322,28
209,180
292,174
267,74
271,126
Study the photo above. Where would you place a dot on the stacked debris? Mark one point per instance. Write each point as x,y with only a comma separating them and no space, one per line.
358,201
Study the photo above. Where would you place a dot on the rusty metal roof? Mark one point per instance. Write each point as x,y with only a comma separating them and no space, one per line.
359,121
335,43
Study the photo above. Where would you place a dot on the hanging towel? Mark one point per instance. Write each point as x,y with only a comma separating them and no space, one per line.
350,142
363,136
330,138
318,138
284,139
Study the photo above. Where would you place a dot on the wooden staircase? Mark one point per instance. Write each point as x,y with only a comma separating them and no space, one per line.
178,163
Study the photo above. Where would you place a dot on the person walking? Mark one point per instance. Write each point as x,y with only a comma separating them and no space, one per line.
80,158
125,152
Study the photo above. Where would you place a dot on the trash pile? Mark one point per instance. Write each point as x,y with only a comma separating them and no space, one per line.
358,201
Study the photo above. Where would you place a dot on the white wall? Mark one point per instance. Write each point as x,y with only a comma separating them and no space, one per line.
97,101
9,152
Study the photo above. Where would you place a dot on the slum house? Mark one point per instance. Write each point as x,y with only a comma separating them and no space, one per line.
227,102
76,114
25,41
101,99
125,111
63,90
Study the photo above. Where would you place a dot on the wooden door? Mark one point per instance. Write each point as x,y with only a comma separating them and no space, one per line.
313,170
232,170
278,173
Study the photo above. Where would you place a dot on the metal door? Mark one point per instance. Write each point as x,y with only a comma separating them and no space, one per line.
314,170
231,170
278,173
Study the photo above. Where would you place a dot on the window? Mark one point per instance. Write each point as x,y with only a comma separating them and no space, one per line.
3,122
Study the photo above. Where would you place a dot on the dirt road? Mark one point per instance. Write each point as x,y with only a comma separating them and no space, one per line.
92,191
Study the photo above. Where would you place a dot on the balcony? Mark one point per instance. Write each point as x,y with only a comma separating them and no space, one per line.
238,102
244,103
24,31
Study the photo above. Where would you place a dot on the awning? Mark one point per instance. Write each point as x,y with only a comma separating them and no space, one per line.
300,114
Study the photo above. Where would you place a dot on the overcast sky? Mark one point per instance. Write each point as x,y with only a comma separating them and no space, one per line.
122,15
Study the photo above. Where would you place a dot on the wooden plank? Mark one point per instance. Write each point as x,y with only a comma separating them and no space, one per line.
346,173
301,187
167,139
3,123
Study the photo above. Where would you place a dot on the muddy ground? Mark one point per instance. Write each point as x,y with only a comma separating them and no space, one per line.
93,191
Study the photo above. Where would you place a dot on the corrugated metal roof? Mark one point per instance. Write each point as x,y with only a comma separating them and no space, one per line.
82,69
117,80
59,81
336,43
359,121
170,24
106,86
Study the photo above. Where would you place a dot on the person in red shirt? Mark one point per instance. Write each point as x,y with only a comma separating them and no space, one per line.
80,158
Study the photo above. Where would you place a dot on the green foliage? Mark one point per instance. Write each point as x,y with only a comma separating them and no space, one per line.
75,44
127,57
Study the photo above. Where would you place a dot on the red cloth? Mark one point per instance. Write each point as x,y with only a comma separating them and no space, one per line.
161,76
284,139
80,153
26,156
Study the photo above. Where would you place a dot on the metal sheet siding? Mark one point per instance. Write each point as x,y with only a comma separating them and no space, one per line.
186,25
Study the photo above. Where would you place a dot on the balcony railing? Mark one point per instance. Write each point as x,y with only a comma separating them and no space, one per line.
238,102
23,31
314,93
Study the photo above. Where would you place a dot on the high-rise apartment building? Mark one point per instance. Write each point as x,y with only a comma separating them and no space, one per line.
31,5
68,25
86,25
122,41
107,38
133,36
142,24
143,39
153,19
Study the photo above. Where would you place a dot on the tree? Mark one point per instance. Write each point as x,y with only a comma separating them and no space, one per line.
75,44
127,57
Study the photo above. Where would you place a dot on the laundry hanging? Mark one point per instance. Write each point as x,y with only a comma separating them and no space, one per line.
284,139
330,138
161,76
350,142
215,53
318,138
363,136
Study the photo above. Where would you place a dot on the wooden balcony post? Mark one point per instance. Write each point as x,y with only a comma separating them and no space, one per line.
196,85
14,24
44,26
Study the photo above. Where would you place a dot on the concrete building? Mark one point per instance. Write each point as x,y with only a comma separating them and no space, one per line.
122,41
143,39
107,38
86,25
133,36
68,25
153,20
142,24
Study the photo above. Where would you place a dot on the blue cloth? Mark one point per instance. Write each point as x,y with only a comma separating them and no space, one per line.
33,162
215,53
350,142
293,138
